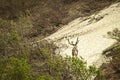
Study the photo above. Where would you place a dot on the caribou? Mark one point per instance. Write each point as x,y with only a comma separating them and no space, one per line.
74,49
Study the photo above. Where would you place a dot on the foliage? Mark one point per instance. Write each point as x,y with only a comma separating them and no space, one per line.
111,70
115,34
15,69
9,39
79,69
49,15
45,77
13,61
68,68
14,57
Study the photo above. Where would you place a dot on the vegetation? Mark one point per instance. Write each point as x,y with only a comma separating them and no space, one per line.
49,15
14,69
111,70
19,61
22,59
115,34
13,57
57,68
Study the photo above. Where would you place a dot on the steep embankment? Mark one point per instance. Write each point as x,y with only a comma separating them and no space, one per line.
48,16
91,32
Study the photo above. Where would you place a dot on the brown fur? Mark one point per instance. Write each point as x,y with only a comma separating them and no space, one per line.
74,51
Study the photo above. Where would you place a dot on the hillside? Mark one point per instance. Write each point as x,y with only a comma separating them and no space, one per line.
91,32
49,15
34,39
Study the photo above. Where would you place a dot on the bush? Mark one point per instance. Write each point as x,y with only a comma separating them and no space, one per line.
13,58
111,70
68,68
115,34
79,70
56,67
45,77
15,69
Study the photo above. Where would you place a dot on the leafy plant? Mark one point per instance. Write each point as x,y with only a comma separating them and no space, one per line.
13,64
79,69
115,34
15,69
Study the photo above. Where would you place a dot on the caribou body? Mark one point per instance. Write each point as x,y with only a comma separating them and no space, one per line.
74,50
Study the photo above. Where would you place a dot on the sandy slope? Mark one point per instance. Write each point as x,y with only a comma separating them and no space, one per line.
91,32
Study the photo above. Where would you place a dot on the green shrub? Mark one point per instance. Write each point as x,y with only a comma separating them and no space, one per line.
79,69
15,69
13,61
2,69
69,68
115,34
45,77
